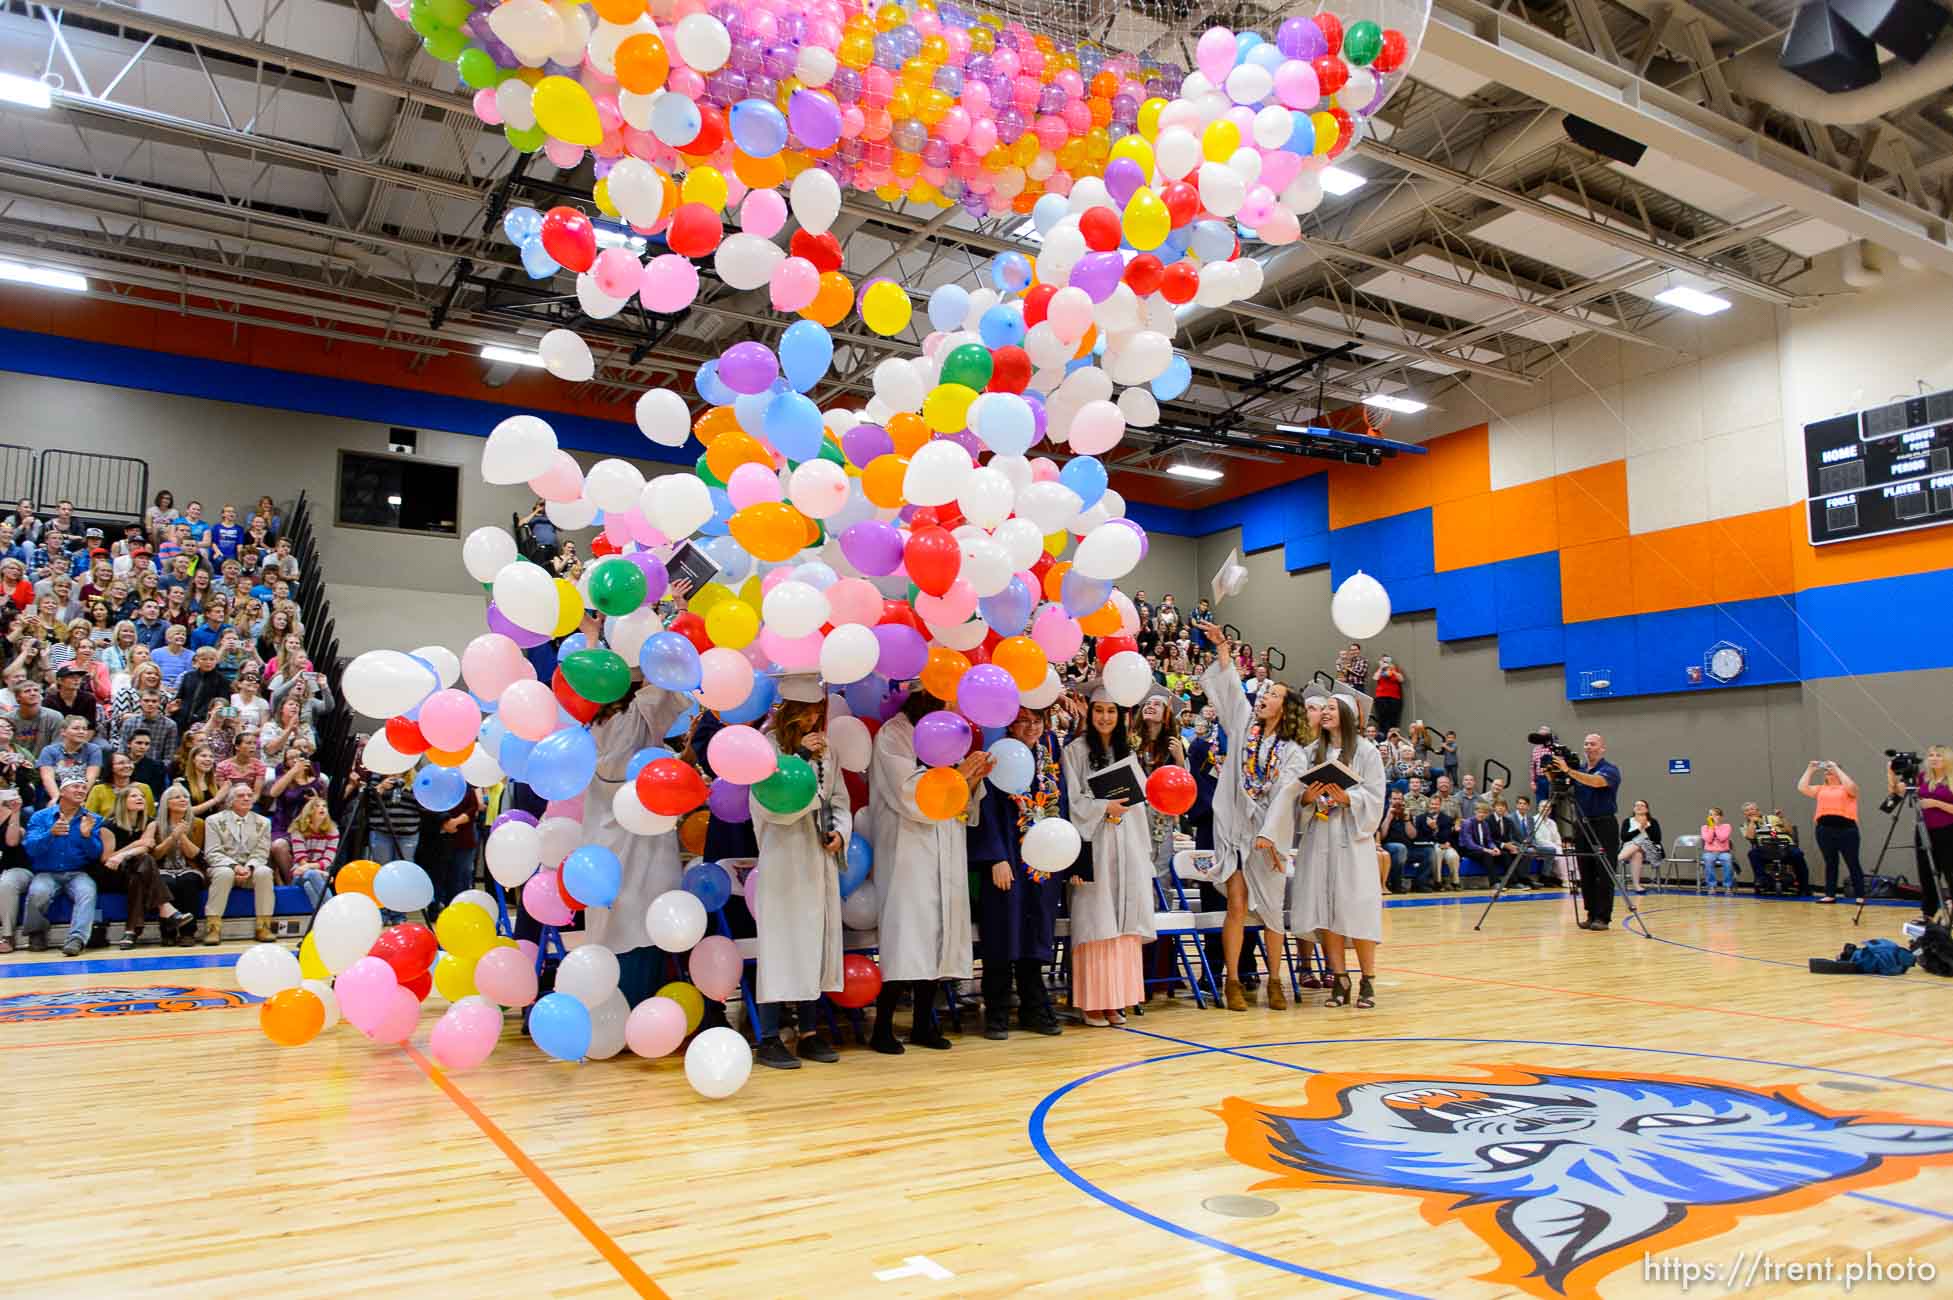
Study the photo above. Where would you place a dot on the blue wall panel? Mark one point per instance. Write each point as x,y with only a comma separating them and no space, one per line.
1311,552
1532,647
1162,519
1667,644
1602,643
1767,632
1388,549
1891,625
1528,590
1466,604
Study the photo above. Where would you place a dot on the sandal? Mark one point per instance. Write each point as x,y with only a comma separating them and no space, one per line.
1366,993
1339,990
1118,1019
129,939
1096,1021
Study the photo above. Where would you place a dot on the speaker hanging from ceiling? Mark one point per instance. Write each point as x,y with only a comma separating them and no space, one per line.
1827,51
1606,143
1908,28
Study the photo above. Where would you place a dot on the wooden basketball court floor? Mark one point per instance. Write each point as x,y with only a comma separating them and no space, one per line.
1531,1110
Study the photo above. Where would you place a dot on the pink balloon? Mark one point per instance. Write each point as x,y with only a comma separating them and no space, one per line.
508,975
1044,470
793,654
362,989
763,213
617,273
491,663
742,755
528,709
725,678
570,808
1296,85
562,154
952,607
466,1033
1056,633
616,531
528,949
486,108
543,900
449,719
795,282
750,891
562,481
851,600
669,283
753,484
715,966
397,1018
1278,168
656,1027
1214,55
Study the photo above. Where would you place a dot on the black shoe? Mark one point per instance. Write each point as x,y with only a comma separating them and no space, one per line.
773,1053
1592,924
1047,1025
812,1047
98,936
932,1040
1519,884
37,941
883,1040
997,1030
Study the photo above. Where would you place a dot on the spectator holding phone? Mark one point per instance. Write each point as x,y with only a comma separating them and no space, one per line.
1836,832
312,842
1718,861
64,842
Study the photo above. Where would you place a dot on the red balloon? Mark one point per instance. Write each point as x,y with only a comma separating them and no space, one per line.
1040,567
900,611
420,985
670,787
1143,274
1100,226
695,230
1182,202
1037,302
1331,72
857,788
932,558
1331,28
1010,369
712,131
575,705
570,900
568,236
409,948
601,545
861,980
1394,50
1112,645
404,735
1170,790
1179,284
692,628
1345,132
823,250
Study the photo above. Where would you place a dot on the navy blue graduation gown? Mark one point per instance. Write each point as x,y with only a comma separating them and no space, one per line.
1018,924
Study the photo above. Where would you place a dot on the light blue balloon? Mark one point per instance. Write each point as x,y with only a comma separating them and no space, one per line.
669,662
1010,609
513,754
683,722
760,130
1015,767
1085,476
562,763
1264,55
1301,133
559,1024
438,789
490,737
949,306
1174,380
860,861
1048,211
537,261
793,423
649,754
1176,244
721,521
403,887
755,705
675,117
1212,240
1244,45
592,874
1003,325
1081,595
712,388
522,225
1007,424
750,410
1010,272
816,575
806,351
734,561
574,642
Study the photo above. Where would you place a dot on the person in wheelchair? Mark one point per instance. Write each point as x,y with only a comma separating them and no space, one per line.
1776,860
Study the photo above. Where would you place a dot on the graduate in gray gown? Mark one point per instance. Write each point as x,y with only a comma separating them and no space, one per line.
1331,834
1112,913
1264,744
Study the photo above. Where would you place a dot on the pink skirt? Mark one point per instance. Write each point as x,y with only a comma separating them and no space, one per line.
1108,975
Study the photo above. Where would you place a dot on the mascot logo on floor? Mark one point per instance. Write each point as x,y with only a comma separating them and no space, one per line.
69,1004
1571,1175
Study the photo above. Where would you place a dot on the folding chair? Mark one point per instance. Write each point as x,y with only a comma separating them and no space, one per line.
1685,851
1176,920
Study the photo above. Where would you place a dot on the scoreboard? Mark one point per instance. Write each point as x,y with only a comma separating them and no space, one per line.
1884,470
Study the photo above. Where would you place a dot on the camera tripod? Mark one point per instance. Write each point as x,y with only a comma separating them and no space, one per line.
1558,806
1934,877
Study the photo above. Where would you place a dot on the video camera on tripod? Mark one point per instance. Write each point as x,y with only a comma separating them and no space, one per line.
1904,764
1557,780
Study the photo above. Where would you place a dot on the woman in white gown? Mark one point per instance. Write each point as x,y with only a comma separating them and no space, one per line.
922,872
1331,833
799,889
1112,913
1264,746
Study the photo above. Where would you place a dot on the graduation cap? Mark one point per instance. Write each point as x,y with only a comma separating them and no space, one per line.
1229,579
801,688
1357,701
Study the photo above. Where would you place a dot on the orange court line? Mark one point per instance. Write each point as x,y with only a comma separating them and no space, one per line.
116,1040
627,1268
1670,1006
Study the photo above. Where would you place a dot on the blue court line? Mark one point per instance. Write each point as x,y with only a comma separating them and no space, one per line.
21,970
1900,1205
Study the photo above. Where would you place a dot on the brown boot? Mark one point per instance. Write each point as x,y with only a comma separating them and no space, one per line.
213,931
1277,995
1237,999
264,930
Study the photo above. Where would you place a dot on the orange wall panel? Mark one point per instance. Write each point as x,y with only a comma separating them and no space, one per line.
1525,520
1671,568
1461,532
1596,581
1750,555
1454,466
1592,503
1867,559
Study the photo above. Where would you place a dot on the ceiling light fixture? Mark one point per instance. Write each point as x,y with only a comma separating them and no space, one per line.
29,91
1392,402
514,356
1194,472
46,277
1339,181
1692,300
609,236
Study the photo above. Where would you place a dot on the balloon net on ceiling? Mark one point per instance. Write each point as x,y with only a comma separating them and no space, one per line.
1165,30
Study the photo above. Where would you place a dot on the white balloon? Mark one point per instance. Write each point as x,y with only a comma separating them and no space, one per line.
636,112
897,384
381,683
601,50
815,66
607,1021
986,497
526,595
1114,503
323,992
676,504
1303,195
1176,152
520,448
627,634
560,836
815,198
1109,553
718,1061
818,488
1052,845
571,515
613,485
1062,250
596,304
746,261
531,28
1088,192
264,969
576,34
344,930
853,747
1217,285
486,551
861,910
588,973
675,921
634,816
382,759
1221,189
567,356
1272,127
1361,607
1245,162
478,897
702,42
1048,505
1023,539
962,636
1248,276
663,417
1141,409
936,473
1044,347
1127,678
1046,693
986,566
849,654
513,852
794,609
515,99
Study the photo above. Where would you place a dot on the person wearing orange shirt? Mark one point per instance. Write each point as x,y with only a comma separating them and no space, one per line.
1837,824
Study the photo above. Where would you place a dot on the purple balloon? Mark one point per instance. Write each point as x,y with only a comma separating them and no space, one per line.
656,578
967,441
748,368
522,636
1098,274
904,652
864,442
815,118
1122,179
727,800
1144,543
943,738
873,547
987,696
516,815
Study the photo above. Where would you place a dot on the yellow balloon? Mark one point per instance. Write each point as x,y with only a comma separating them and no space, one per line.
1135,148
947,407
565,110
1149,117
1327,131
1219,141
466,931
885,308
688,997
705,185
600,195
732,624
702,600
1054,543
1147,223
310,964
569,607
749,591
454,979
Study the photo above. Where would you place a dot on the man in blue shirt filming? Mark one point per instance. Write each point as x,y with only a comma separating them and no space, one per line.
1596,784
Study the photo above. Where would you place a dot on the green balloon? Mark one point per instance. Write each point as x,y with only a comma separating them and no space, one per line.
477,68
445,45
705,472
617,587
423,19
790,788
525,141
831,452
968,365
452,13
1362,42
599,676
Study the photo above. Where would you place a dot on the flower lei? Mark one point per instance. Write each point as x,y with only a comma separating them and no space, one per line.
1040,801
1258,771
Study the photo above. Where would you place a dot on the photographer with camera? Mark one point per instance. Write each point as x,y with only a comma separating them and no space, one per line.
1598,782
1931,780
1837,823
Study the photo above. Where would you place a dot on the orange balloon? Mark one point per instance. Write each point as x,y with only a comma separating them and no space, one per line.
291,1017
908,431
1023,658
642,63
881,480
770,530
941,794
832,301
715,421
760,173
733,448
943,671
691,832
450,757
622,12
357,878
1103,621
1054,580
1085,344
